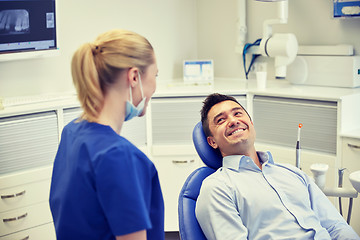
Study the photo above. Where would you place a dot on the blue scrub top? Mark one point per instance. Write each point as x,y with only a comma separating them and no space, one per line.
103,186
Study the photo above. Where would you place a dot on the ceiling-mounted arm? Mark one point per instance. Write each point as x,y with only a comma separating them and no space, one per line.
282,13
282,46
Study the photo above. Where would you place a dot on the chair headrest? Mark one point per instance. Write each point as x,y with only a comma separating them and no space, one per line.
211,157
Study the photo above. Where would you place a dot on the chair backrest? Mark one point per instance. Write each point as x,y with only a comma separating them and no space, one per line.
211,157
189,228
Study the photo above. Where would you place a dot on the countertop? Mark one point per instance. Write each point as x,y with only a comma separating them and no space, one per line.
281,88
352,134
176,88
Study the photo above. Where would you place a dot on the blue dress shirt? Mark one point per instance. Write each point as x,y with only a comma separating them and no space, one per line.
241,201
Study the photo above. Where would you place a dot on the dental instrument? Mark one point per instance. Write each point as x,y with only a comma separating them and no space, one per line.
298,148
340,184
319,171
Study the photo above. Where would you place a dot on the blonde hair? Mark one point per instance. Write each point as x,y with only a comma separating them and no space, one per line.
95,66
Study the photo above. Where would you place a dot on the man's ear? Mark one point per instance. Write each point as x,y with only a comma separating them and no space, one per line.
211,142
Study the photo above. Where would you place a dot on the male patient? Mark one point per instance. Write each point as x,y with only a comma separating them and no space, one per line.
251,197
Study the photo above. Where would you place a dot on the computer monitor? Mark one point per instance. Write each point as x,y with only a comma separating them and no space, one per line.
346,8
27,29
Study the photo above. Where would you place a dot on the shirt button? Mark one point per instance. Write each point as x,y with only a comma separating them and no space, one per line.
248,161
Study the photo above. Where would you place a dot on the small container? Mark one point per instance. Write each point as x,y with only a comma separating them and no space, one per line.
319,171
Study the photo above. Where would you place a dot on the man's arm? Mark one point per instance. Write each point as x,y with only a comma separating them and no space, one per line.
329,216
217,213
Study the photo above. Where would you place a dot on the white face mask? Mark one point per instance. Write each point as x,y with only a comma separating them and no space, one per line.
132,111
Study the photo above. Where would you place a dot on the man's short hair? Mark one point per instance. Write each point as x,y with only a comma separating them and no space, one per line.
208,103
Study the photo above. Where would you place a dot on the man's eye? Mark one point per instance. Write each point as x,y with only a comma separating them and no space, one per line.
220,120
238,113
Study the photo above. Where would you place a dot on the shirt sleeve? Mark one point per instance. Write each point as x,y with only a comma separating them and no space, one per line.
329,216
121,192
216,212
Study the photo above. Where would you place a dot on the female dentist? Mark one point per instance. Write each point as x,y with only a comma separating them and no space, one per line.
103,187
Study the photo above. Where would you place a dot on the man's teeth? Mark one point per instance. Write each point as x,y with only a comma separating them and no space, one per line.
239,130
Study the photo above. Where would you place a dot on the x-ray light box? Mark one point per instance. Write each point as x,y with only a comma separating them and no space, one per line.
198,71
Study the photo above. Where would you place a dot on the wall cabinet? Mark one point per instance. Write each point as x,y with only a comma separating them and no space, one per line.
173,171
28,141
27,150
351,161
24,206
172,122
46,232
276,121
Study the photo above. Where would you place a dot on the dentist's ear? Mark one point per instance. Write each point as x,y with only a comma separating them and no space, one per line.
212,142
133,76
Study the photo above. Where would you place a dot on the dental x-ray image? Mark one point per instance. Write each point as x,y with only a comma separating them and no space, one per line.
14,21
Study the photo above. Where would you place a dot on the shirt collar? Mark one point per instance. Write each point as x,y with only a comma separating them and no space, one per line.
236,162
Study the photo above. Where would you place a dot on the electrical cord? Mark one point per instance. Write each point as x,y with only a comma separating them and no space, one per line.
254,56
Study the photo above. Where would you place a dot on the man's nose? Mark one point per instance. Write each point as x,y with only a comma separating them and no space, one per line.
233,121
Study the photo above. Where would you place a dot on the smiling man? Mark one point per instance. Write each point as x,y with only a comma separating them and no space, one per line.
250,196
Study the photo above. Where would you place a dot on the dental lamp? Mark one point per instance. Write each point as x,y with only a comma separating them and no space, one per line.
283,47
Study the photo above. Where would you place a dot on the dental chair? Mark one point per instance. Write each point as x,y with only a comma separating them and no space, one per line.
189,227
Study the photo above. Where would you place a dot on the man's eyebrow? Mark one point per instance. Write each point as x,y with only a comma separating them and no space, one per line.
217,116
222,113
237,108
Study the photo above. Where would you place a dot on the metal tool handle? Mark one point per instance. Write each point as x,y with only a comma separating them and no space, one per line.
341,177
15,218
353,146
183,161
26,238
297,161
349,210
13,195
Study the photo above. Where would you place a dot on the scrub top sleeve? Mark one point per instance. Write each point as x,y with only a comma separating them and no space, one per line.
328,215
121,193
217,214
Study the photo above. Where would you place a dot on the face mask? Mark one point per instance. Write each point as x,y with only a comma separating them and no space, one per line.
132,111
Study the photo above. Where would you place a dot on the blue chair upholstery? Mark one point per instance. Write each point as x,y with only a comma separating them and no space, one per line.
189,228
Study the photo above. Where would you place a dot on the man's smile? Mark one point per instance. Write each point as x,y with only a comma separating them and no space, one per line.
238,130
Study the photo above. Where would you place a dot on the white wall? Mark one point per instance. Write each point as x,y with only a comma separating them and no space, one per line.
169,25
178,30
217,36
310,20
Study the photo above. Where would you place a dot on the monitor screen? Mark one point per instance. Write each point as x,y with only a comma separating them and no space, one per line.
27,26
346,8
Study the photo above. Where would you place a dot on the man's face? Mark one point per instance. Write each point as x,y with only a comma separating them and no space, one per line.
232,130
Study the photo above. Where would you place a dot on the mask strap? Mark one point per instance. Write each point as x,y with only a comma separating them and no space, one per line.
130,95
141,89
